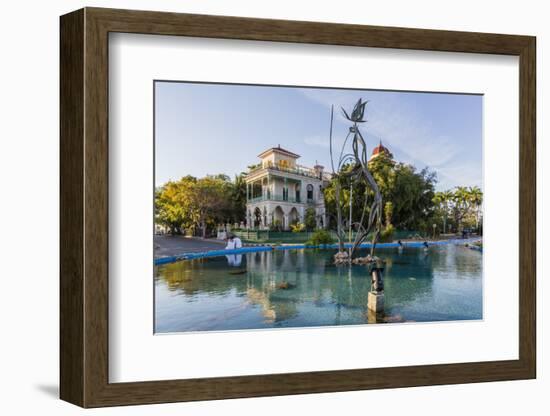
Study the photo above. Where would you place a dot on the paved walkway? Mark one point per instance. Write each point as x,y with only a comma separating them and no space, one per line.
167,245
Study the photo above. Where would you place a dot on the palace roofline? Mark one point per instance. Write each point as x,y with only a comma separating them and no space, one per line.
301,171
278,149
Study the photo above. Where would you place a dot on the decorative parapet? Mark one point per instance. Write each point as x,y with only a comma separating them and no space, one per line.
298,170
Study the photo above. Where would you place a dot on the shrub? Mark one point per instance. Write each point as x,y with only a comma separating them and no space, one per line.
297,227
386,236
320,237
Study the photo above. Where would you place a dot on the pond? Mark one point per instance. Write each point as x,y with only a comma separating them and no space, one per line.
302,288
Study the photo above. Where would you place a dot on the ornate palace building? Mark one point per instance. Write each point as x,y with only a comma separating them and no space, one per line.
278,191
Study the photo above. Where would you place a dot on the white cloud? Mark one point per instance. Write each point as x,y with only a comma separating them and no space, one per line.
401,128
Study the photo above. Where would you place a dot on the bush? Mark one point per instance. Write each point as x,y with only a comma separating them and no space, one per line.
320,237
297,227
386,236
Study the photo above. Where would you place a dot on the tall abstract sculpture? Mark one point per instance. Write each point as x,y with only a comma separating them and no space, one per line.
353,165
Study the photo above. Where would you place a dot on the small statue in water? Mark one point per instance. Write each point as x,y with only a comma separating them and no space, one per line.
377,281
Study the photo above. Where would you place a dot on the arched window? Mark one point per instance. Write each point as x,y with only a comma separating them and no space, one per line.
310,192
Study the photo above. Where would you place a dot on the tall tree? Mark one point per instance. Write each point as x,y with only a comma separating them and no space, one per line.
210,198
442,200
461,200
238,198
173,207
476,199
203,203
409,191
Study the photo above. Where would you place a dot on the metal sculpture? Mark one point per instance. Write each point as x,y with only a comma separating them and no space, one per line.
354,166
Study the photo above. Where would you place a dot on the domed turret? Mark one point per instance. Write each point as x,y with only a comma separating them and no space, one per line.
379,150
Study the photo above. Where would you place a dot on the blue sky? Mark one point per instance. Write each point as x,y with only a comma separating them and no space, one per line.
205,129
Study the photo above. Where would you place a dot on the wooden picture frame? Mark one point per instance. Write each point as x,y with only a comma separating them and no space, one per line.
84,207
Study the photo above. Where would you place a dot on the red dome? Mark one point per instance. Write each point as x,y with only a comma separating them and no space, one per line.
380,148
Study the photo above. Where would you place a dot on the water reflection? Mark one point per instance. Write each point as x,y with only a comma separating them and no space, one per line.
234,260
296,288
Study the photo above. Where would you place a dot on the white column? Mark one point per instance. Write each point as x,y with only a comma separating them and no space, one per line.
269,215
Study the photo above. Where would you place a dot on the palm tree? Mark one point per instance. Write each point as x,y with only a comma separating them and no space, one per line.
438,200
476,199
461,199
442,199
446,197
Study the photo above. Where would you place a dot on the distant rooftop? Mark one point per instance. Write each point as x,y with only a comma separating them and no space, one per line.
381,149
278,149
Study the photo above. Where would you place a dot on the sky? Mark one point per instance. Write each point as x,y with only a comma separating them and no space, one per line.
210,128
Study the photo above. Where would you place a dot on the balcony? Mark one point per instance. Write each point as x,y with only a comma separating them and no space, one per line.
280,198
296,170
275,198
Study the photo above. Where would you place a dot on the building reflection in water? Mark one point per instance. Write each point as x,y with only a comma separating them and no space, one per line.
305,288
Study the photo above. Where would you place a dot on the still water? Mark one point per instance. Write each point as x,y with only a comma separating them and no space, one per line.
302,288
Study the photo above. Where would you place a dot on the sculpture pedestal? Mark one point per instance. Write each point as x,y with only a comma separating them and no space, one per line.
373,317
376,301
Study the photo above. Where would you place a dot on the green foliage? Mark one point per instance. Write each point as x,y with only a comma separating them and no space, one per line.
297,227
442,202
459,208
386,236
356,204
388,211
410,200
320,237
238,198
172,207
310,221
409,191
199,204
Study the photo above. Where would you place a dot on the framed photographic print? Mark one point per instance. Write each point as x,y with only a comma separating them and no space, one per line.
255,207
